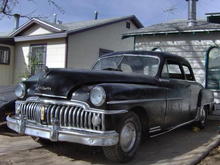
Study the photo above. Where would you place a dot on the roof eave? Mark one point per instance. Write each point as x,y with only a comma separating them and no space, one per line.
40,37
167,32
30,22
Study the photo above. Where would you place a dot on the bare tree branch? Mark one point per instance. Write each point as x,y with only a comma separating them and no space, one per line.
4,5
7,6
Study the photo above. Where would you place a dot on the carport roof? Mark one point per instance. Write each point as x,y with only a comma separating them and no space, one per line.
176,26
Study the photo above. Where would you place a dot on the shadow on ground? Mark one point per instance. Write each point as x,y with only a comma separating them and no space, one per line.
4,130
153,150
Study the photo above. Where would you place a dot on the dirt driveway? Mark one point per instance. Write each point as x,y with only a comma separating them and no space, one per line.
177,147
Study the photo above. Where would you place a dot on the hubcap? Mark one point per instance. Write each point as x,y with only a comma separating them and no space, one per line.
128,137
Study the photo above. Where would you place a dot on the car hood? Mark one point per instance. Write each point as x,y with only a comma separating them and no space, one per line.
62,82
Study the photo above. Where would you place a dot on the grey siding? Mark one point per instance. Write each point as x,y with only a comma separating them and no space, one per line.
191,46
83,48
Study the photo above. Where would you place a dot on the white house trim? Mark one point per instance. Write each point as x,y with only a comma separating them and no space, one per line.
40,37
34,20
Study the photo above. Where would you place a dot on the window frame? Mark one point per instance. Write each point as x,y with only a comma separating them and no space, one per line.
45,54
207,66
190,71
5,48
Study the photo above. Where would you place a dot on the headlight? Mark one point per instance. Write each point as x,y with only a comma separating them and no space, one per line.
20,90
97,96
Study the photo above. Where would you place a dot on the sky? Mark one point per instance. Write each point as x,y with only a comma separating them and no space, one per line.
148,11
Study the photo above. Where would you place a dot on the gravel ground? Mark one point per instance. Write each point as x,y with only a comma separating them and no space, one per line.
175,148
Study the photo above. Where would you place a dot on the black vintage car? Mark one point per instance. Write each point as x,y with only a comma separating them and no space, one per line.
126,96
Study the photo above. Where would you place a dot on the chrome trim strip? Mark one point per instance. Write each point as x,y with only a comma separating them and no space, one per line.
134,101
156,130
142,100
174,99
157,127
73,103
131,55
47,95
173,128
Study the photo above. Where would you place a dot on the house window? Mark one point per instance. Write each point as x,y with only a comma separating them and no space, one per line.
213,68
104,51
128,25
37,57
4,55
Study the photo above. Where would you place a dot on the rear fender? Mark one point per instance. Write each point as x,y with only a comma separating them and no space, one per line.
206,97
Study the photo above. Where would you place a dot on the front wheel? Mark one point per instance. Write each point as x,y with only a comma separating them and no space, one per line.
130,131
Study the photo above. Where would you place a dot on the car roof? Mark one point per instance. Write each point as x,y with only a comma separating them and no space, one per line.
161,55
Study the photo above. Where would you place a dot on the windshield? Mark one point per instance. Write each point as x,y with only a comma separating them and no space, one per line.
140,64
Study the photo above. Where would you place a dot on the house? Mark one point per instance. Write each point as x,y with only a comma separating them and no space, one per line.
6,59
69,45
196,40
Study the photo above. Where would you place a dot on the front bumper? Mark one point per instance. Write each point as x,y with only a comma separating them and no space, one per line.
55,133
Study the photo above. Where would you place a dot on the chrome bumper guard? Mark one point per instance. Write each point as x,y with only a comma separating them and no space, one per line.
55,133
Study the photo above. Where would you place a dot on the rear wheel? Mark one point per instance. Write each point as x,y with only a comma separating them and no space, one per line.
202,120
129,139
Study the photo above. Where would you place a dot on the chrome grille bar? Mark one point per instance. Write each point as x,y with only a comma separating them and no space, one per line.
73,116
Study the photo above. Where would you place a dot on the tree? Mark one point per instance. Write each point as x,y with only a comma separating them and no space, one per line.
7,8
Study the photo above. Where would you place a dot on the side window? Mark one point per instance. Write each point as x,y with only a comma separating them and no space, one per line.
172,70
150,70
187,72
126,68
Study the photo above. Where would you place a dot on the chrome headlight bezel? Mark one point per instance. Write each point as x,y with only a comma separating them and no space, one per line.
20,90
97,96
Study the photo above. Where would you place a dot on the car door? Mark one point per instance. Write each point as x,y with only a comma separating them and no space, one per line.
194,88
178,94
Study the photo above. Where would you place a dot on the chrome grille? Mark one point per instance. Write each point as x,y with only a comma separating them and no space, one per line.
73,116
